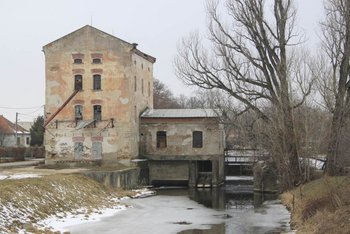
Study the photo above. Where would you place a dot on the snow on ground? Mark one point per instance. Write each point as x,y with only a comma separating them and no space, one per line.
61,221
18,176
239,178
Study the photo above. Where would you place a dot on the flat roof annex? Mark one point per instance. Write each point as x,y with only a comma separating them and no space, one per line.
180,113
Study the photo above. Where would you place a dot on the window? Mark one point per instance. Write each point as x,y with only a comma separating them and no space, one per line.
135,84
97,112
197,139
142,66
78,61
161,139
96,60
78,110
78,82
204,166
27,140
97,82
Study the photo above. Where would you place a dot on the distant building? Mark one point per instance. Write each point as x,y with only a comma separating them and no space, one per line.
8,134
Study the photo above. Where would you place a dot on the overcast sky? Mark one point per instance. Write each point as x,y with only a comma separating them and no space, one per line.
156,25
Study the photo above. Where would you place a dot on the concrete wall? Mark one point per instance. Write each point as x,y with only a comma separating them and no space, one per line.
127,179
168,171
119,138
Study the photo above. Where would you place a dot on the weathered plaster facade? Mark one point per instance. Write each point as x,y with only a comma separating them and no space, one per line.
179,160
124,91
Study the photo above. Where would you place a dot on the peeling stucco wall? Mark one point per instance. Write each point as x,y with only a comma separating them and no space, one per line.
179,136
117,97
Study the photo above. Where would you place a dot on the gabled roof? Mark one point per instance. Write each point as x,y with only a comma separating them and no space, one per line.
7,127
180,113
132,45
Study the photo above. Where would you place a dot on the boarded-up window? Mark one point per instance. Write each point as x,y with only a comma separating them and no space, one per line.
78,82
161,139
78,109
197,139
97,112
97,82
96,150
78,150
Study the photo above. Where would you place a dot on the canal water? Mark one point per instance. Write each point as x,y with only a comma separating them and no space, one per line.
232,208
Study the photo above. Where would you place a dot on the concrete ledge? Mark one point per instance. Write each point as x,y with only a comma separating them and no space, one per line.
29,163
184,157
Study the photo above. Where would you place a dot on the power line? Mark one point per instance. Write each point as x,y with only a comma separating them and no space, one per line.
20,108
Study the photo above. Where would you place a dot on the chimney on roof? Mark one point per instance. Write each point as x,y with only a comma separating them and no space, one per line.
134,45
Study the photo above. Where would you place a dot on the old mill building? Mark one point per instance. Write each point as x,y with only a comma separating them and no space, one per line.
99,108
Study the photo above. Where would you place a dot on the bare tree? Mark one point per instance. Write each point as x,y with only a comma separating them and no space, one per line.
336,44
163,98
249,60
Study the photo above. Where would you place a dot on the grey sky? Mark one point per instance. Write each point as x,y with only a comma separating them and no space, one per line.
156,25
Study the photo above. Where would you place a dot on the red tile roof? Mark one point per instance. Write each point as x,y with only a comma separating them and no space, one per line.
8,127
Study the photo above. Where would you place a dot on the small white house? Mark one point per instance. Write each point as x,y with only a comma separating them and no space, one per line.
8,134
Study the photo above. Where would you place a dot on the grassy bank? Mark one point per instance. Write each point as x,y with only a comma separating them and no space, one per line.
25,202
321,206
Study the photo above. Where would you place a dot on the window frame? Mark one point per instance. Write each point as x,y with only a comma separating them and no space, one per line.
97,114
197,139
161,138
96,61
76,80
78,61
96,79
76,109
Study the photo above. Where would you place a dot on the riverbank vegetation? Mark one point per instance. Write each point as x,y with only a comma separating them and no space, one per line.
25,202
321,206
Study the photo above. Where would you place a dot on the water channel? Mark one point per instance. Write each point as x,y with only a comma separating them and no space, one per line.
232,208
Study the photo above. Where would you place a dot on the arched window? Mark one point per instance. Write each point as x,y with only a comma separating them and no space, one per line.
96,60
78,61
97,112
78,109
78,82
97,82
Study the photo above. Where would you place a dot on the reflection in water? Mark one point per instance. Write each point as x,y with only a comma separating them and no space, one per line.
246,211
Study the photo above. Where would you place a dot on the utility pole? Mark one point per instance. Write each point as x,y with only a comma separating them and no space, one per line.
16,127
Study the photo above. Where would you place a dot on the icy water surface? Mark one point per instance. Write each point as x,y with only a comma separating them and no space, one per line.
232,208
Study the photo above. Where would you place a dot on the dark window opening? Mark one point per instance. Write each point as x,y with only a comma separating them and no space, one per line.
97,112
204,166
78,61
161,139
96,60
135,84
197,139
78,109
97,82
142,86
27,140
78,82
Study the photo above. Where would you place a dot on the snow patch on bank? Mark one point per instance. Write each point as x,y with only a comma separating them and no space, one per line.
18,176
61,221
